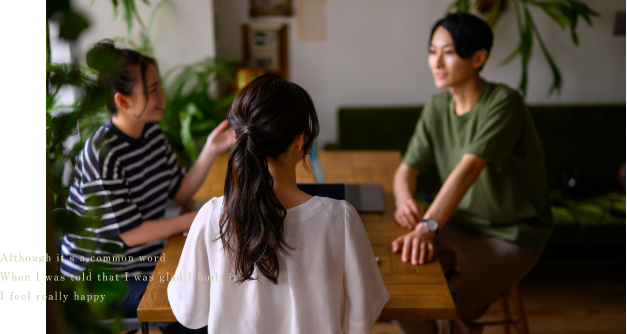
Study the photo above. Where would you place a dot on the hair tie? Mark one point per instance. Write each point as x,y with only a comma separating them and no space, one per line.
251,131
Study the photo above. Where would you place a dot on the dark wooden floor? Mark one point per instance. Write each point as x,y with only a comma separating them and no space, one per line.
570,301
567,301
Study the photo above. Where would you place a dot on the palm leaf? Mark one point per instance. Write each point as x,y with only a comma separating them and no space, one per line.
557,76
552,9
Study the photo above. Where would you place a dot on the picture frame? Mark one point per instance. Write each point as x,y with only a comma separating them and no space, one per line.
270,8
265,46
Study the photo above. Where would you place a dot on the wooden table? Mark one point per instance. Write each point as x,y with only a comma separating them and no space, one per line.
416,292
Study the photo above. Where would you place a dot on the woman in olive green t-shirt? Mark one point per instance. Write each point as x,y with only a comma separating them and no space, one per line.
492,209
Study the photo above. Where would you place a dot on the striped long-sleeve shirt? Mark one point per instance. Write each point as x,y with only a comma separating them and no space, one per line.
119,182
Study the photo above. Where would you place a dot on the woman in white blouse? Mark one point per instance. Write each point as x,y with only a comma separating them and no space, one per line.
267,257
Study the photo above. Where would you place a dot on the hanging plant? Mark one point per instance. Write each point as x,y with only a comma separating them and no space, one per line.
564,12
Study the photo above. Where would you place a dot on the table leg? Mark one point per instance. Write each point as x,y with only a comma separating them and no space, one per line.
145,329
452,322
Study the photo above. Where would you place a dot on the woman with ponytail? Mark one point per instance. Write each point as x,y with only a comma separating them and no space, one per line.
267,257
127,171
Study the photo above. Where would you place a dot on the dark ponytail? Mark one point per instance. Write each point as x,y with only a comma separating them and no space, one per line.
115,71
267,115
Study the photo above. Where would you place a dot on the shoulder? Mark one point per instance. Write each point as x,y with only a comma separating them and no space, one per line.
498,93
438,101
154,137
152,130
337,208
325,212
100,140
325,204
208,217
97,145
437,105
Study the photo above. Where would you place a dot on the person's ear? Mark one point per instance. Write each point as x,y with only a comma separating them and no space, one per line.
300,141
122,101
479,58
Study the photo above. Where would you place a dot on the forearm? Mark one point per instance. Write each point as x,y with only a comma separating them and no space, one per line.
453,191
152,230
405,179
195,176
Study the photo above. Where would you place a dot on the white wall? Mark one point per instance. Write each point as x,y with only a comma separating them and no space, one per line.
375,53
183,30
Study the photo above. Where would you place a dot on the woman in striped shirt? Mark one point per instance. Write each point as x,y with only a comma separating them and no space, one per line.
127,171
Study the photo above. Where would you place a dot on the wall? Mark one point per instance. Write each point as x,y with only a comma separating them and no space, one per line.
183,30
375,53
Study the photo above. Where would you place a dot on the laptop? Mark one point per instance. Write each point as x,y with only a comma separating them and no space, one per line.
364,197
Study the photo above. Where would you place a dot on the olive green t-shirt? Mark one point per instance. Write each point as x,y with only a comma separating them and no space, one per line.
510,199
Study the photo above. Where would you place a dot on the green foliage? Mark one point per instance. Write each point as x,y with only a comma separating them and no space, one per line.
190,110
564,12
145,45
129,11
71,23
62,122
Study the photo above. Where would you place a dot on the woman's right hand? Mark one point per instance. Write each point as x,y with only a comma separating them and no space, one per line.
408,213
221,138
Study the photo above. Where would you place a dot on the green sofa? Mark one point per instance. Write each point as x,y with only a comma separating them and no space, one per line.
590,138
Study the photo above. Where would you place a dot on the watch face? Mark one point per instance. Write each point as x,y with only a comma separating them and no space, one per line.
432,225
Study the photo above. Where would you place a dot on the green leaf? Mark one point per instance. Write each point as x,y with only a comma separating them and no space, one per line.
64,125
72,25
50,103
512,56
463,5
583,10
557,15
186,131
557,76
495,13
115,9
526,43
129,10
56,6
450,8
459,6
204,126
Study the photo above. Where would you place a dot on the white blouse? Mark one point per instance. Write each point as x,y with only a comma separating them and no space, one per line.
329,283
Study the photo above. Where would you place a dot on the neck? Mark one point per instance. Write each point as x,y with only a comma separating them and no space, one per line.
285,188
130,127
467,94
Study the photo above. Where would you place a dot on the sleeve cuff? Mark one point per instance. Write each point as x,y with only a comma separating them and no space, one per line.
181,313
366,326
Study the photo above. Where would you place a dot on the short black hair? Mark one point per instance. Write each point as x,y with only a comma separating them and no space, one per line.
469,33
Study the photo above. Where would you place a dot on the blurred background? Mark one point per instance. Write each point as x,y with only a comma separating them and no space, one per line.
364,63
375,52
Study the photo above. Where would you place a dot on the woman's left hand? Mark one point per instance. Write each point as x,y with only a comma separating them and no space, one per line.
221,138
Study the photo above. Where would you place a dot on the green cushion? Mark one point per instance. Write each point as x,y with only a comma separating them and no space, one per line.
595,225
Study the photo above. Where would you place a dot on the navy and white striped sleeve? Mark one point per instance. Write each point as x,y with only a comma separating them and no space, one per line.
106,201
176,171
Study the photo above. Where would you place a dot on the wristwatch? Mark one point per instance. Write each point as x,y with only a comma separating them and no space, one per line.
431,225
